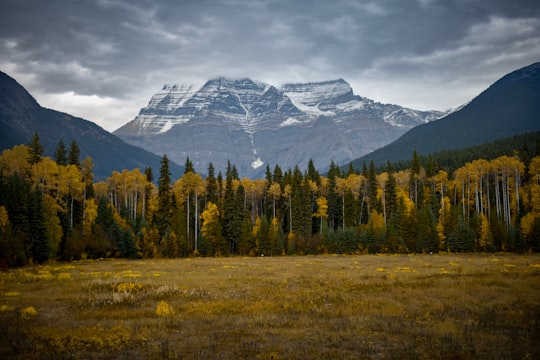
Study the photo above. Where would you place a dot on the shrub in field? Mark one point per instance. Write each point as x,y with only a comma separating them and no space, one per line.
163,309
28,313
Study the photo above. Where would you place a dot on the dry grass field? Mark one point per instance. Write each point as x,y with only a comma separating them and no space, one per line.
324,307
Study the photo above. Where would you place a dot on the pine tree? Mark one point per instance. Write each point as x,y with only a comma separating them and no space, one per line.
312,173
334,200
60,154
232,211
188,167
37,230
414,186
164,208
211,186
390,193
74,154
35,150
372,185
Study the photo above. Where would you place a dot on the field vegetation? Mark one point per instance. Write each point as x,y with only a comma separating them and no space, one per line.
441,306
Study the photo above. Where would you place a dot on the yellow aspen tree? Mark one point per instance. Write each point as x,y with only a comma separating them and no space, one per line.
45,175
211,228
52,223
322,210
90,215
444,214
101,189
485,233
15,161
275,192
376,221
70,185
381,180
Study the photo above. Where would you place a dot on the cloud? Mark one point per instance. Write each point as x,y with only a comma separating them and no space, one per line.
103,57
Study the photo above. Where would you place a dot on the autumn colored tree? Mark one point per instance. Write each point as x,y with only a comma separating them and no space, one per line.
211,230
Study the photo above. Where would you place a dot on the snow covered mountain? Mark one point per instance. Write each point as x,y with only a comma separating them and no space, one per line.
254,124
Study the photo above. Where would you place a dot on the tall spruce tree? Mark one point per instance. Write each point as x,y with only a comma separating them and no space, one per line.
232,211
211,186
188,166
40,250
35,150
74,154
164,208
60,154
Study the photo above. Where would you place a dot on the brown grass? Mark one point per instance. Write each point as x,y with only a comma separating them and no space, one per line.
333,307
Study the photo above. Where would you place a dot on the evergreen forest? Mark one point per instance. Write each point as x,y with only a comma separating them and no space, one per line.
51,208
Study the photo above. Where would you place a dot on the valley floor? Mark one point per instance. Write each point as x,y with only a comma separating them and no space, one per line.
481,306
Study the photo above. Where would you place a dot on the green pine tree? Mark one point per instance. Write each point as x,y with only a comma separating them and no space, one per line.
164,208
40,250
35,150
74,154
60,154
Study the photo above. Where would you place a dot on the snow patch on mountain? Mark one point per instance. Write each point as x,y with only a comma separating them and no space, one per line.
290,122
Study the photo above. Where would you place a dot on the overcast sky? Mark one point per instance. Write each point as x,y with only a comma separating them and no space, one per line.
103,59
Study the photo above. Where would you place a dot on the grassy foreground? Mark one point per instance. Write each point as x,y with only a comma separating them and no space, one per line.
330,307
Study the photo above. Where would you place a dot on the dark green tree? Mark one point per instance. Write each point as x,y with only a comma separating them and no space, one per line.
60,154
164,208
74,154
334,199
211,186
188,166
372,185
35,150
414,185
390,193
232,211
37,230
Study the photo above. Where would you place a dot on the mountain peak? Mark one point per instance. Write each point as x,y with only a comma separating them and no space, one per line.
252,123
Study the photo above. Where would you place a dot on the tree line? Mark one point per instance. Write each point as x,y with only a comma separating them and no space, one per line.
51,208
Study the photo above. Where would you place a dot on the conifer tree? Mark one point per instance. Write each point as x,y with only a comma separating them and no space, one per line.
60,154
35,150
37,230
413,179
232,211
74,154
390,193
164,208
372,186
211,186
188,167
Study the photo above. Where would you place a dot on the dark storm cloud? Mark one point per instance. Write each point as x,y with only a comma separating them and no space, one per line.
122,50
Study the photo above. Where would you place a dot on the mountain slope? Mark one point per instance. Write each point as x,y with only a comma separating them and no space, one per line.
510,106
254,124
21,116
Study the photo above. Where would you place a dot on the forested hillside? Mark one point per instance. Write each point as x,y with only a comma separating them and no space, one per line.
511,106
53,209
525,145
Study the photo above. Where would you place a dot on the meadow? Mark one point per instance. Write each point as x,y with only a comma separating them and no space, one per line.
483,306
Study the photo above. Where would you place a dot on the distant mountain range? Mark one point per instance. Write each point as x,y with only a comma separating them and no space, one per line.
21,116
254,124
511,106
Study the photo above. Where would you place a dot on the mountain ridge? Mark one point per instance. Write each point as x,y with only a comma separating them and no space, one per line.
510,106
251,124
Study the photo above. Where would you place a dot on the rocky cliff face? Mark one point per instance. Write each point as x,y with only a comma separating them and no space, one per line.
253,124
